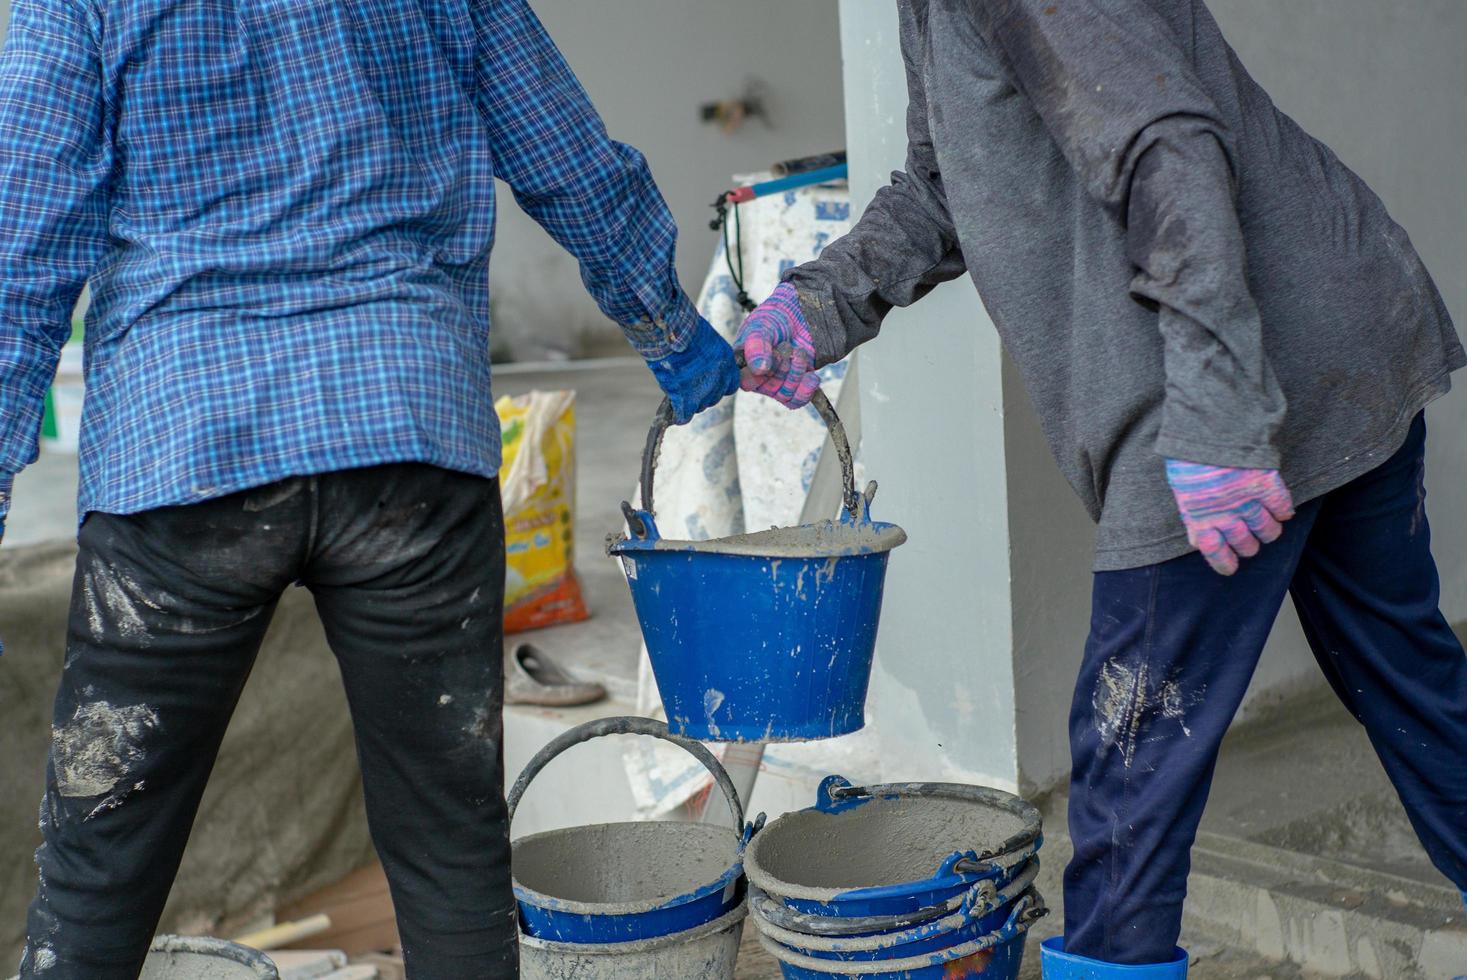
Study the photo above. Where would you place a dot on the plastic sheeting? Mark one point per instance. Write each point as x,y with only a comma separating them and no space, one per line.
748,463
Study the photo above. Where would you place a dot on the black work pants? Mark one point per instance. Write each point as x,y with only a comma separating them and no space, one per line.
406,564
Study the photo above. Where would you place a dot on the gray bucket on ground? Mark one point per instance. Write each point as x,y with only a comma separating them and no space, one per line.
613,885
197,958
706,952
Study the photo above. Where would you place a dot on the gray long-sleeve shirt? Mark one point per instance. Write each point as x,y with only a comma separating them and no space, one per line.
1176,267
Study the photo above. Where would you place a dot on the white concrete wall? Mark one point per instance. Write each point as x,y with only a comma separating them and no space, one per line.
1386,86
942,698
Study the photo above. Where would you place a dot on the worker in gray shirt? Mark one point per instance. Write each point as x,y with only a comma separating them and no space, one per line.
1229,344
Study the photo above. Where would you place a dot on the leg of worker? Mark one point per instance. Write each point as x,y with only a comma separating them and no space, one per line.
408,574
1171,650
168,611
1367,592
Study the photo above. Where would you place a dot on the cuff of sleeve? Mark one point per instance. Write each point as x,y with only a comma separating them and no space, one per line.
7,483
1212,454
817,305
670,333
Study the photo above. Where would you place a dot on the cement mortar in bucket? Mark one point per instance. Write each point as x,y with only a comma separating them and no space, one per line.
197,958
761,637
894,850
626,882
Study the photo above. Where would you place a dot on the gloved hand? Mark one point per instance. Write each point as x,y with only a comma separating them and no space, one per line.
779,350
1229,513
700,375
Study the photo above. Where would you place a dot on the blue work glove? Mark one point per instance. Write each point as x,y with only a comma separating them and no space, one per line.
700,375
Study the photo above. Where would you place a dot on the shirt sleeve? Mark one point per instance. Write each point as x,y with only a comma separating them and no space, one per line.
1114,87
54,168
903,246
595,196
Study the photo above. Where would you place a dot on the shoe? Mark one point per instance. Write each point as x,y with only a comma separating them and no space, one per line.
1056,964
530,677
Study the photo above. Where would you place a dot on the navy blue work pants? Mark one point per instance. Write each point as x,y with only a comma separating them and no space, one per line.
1171,650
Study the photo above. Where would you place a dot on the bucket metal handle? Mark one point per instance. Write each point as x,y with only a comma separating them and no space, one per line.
629,725
836,792
663,419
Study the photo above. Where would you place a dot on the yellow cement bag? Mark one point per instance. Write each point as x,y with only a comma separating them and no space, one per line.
537,481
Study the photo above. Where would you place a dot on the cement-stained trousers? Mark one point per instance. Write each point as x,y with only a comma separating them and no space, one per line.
1171,650
406,564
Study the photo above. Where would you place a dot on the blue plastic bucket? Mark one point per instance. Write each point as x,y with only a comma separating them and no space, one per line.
998,955
763,637
983,911
615,883
900,850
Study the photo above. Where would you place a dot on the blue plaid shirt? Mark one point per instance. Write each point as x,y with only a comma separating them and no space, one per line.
285,209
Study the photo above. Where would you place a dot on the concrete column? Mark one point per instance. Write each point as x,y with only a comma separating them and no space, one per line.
933,436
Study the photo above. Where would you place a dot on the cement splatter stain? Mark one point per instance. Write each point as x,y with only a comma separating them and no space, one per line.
1126,698
99,747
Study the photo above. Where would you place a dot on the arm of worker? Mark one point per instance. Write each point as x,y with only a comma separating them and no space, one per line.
903,245
54,165
1115,89
596,197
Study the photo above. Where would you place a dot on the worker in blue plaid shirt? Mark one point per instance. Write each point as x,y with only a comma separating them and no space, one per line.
285,209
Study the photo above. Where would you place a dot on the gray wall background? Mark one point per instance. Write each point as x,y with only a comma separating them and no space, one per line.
648,64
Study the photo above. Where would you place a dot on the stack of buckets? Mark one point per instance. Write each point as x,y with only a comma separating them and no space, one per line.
769,637
630,901
903,881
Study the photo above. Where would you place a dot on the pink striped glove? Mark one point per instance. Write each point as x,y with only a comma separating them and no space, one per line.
779,350
1229,513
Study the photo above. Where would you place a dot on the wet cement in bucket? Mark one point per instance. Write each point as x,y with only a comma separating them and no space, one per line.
623,864
883,842
189,958
824,539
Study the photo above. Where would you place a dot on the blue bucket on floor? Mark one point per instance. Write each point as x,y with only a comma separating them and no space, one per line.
996,955
763,637
617,883
983,910
938,840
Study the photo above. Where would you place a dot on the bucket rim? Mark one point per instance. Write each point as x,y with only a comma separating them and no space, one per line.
835,789
1028,910
723,923
974,907
223,949
884,539
523,892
